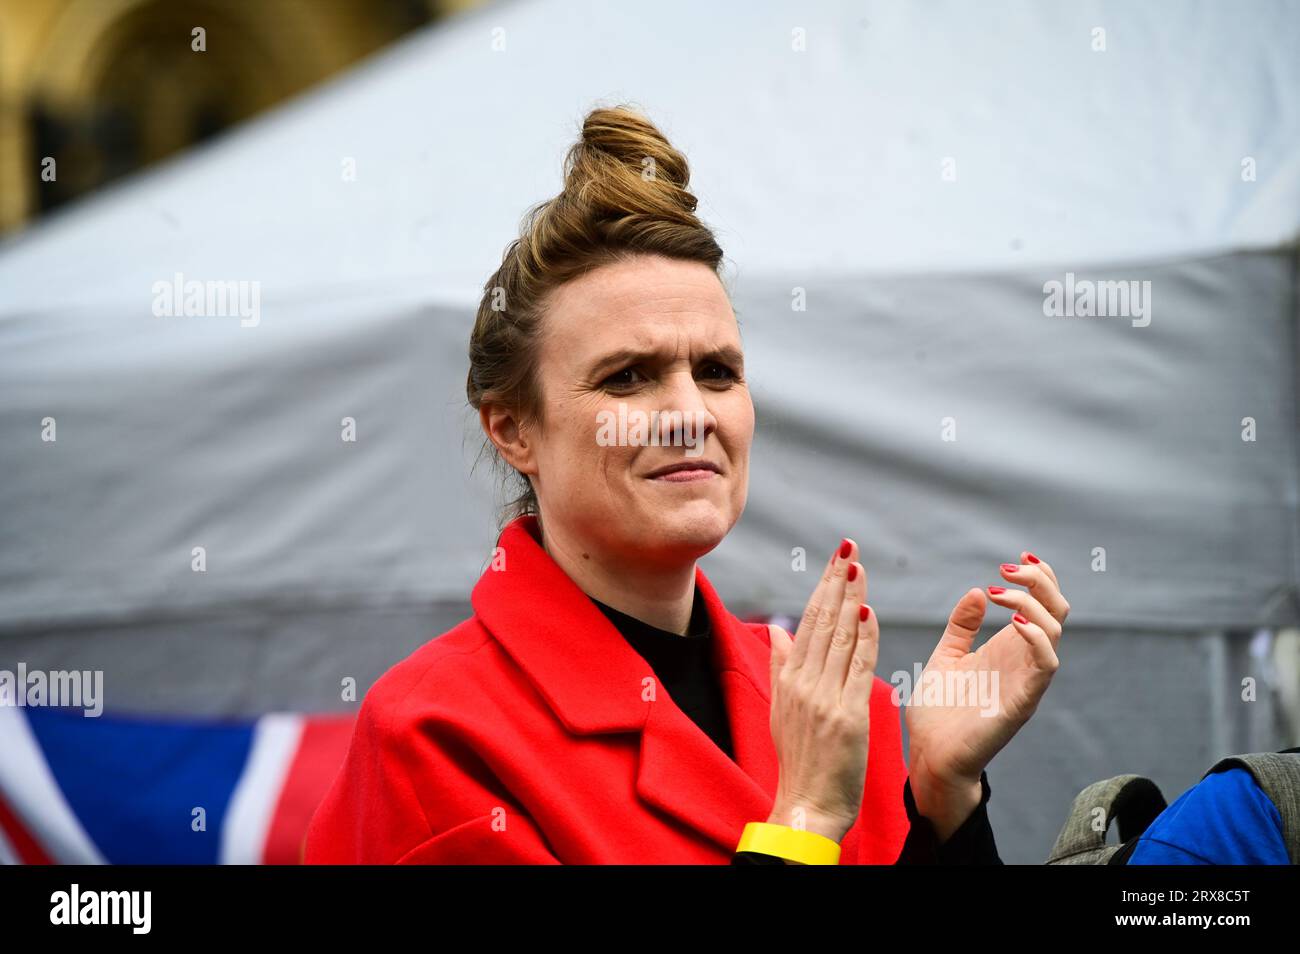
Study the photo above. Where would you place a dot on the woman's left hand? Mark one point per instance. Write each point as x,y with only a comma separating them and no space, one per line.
951,742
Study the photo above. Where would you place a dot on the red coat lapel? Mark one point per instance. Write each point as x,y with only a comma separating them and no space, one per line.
595,683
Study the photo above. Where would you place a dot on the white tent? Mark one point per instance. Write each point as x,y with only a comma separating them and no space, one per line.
897,186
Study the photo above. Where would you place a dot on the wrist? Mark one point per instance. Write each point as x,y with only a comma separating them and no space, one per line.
946,804
806,819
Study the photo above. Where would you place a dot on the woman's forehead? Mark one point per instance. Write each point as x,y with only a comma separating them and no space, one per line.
618,339
646,305
645,283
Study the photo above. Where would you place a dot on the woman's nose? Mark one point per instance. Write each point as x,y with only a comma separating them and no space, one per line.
684,417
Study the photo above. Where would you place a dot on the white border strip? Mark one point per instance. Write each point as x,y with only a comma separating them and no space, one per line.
32,792
252,805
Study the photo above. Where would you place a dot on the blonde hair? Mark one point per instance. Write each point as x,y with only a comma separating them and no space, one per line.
625,194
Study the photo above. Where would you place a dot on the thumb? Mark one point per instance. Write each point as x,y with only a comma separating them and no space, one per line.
963,624
781,645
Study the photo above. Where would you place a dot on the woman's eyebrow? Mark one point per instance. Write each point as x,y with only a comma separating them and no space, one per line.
621,357
725,354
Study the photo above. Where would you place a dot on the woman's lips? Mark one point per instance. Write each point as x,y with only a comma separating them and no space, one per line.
686,476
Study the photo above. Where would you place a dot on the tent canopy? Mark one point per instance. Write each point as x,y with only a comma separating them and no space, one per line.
915,176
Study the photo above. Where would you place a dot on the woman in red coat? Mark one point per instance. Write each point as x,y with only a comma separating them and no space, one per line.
607,369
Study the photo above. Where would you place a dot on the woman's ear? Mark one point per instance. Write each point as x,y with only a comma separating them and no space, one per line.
509,437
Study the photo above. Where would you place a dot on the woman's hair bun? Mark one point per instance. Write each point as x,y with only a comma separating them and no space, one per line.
624,166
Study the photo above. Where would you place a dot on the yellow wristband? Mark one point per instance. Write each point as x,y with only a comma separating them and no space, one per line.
793,844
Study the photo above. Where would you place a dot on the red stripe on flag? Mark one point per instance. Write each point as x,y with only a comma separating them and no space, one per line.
320,754
29,852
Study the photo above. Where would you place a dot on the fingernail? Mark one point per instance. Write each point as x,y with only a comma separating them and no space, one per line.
1010,567
845,549
996,590
853,571
864,611
1019,619
1031,558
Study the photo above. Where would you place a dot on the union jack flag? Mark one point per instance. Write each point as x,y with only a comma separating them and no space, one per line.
134,790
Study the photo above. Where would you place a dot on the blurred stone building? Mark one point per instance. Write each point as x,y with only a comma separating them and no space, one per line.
93,89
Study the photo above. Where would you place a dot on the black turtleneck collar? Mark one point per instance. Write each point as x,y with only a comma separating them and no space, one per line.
698,628
683,665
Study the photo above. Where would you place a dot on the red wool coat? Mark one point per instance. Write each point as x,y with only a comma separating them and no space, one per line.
529,734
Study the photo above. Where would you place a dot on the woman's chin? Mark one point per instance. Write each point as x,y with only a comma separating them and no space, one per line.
692,528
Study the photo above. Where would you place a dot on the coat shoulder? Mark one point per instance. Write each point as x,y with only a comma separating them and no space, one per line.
408,775
461,647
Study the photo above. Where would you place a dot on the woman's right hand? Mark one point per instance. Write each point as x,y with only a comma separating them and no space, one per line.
821,702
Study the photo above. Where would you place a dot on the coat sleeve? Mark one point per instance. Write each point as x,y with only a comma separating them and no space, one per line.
409,794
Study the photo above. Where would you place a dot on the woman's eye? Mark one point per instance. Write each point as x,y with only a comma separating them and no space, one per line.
718,372
622,379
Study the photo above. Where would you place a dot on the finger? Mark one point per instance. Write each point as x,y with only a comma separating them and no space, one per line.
963,625
1042,586
1021,602
1040,647
844,637
1027,557
856,694
808,622
781,647
814,663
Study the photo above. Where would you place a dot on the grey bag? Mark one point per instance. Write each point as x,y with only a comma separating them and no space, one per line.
1134,802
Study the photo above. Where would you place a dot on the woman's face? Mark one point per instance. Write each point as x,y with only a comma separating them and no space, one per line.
623,341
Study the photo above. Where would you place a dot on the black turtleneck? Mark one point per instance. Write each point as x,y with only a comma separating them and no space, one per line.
684,667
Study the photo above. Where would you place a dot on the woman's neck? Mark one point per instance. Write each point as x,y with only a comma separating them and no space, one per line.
661,596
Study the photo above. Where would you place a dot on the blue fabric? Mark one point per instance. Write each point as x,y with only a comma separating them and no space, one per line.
1225,819
134,783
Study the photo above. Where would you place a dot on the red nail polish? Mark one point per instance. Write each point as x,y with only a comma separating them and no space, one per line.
997,590
845,549
864,612
1031,558
1010,567
1019,619
853,571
